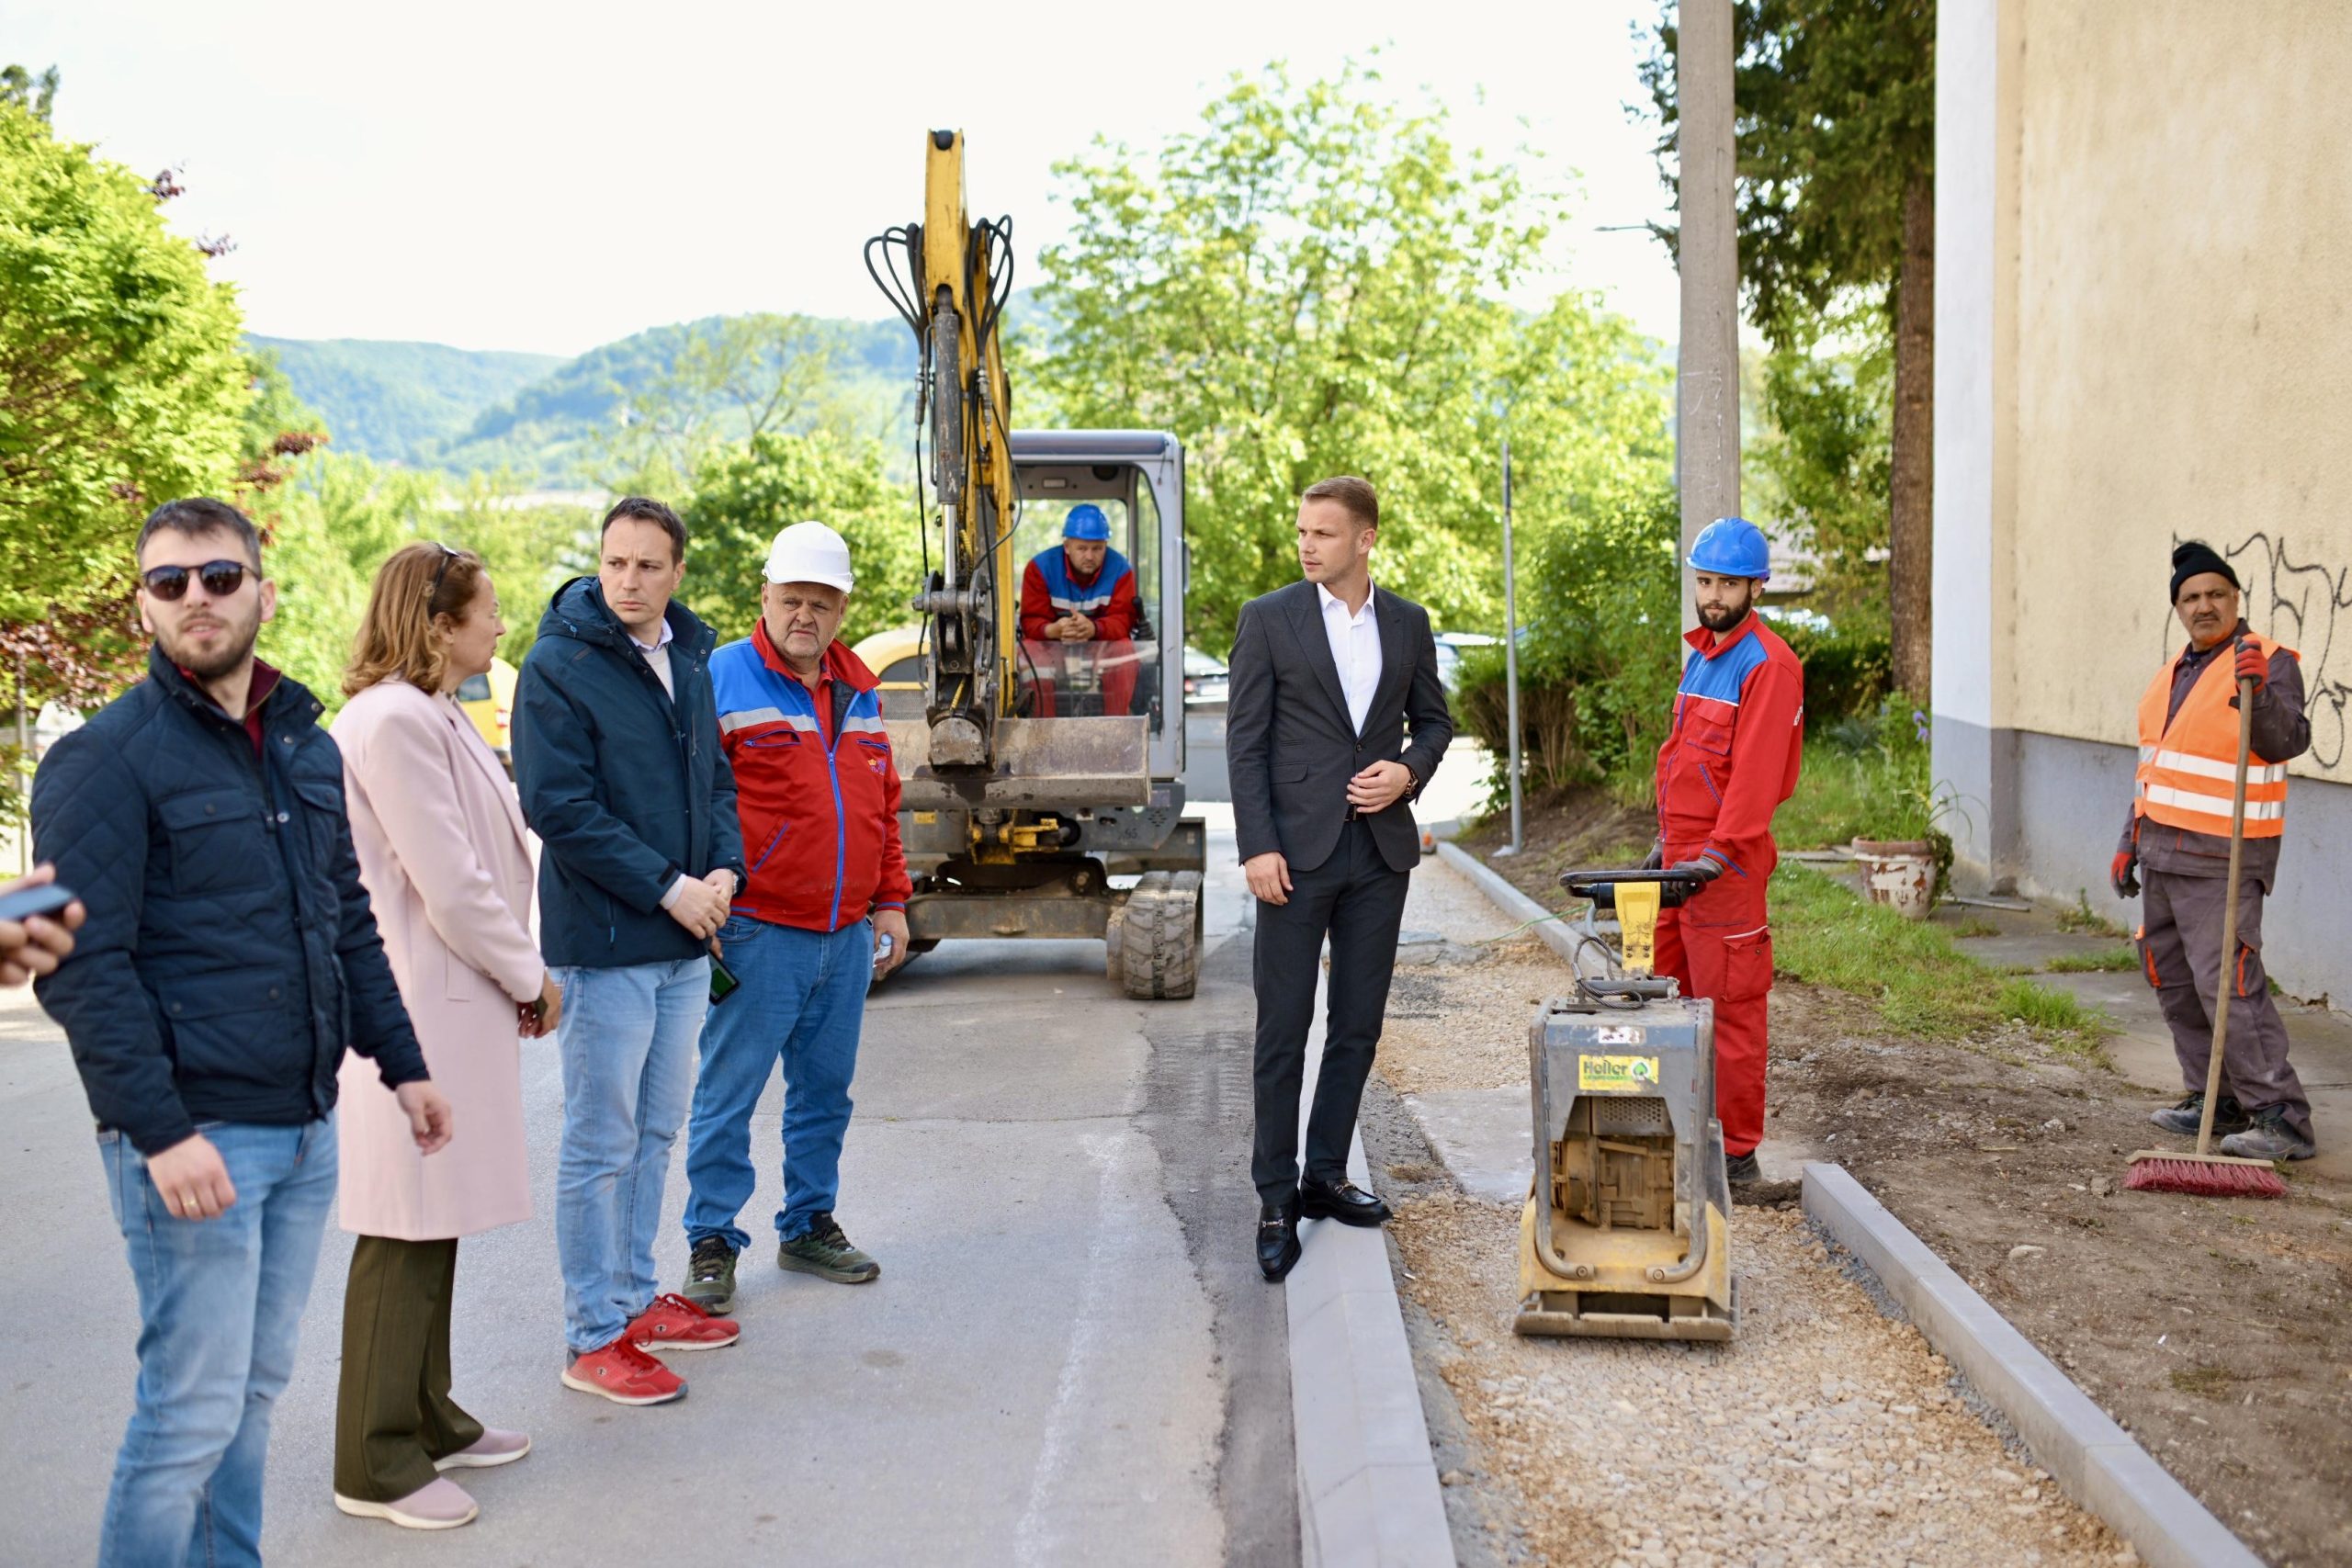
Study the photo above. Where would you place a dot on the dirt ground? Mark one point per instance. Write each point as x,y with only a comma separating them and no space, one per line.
2219,1333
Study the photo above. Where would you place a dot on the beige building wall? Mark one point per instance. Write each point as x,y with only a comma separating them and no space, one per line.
2143,333
2183,345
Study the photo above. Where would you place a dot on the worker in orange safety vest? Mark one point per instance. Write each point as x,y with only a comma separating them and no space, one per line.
2178,837
1729,762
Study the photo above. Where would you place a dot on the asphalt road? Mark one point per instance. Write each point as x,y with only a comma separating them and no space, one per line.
1068,1357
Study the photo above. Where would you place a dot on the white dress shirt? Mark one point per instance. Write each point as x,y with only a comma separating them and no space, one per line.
657,654
1355,648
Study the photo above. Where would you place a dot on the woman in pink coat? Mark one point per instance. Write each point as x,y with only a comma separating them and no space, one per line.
441,849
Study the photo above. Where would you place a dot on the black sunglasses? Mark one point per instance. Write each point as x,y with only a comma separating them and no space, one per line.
222,578
448,554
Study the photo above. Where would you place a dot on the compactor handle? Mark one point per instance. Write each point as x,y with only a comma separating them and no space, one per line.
1642,988
1673,887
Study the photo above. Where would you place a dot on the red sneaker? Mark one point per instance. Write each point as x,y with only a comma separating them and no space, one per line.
674,1323
624,1374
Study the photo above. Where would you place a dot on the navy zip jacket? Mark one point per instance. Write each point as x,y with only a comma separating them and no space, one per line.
626,785
229,953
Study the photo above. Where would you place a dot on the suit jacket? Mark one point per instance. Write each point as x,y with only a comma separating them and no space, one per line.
442,852
1290,747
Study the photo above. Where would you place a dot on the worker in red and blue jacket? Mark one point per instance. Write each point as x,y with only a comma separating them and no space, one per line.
1081,591
822,913
1732,758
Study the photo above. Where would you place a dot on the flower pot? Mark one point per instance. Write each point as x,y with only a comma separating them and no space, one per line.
1900,873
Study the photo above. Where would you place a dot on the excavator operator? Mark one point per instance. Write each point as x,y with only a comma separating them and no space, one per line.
1081,592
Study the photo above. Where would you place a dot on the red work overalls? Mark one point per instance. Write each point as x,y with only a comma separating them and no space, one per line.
1732,759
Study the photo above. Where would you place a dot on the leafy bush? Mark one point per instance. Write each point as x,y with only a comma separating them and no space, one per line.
1601,652
1848,670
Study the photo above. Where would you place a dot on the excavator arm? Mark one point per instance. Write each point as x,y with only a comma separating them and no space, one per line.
950,279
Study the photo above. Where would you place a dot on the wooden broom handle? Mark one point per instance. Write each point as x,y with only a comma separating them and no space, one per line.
2229,917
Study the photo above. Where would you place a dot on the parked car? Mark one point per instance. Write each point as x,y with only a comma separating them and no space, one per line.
1204,677
1450,646
488,700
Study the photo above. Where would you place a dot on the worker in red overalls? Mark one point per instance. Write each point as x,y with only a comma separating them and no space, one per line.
1730,760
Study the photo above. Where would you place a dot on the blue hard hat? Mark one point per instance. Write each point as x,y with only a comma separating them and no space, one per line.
1086,521
1732,546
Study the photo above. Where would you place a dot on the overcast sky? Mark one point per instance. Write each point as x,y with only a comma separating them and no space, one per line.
495,175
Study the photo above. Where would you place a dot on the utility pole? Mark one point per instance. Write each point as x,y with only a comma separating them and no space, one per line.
1706,379
1510,657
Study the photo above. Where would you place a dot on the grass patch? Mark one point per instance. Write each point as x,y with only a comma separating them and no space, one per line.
2205,1382
1975,925
2085,921
1835,801
2114,960
1825,933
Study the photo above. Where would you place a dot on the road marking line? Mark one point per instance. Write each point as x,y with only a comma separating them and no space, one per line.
1115,1225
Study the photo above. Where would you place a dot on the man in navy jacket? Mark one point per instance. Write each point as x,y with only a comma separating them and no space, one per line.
229,956
618,761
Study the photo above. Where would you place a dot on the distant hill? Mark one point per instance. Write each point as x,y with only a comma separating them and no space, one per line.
540,417
399,402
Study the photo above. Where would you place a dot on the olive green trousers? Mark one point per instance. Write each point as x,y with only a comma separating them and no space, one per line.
393,1414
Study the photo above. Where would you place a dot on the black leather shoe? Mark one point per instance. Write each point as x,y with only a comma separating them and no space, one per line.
1342,1201
1278,1248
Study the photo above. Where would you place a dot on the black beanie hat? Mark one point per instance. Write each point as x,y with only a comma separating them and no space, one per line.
2196,556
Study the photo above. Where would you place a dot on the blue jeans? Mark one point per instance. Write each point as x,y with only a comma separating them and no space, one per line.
628,1043
220,1301
802,1003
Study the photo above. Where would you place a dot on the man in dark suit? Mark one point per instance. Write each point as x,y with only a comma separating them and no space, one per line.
1328,677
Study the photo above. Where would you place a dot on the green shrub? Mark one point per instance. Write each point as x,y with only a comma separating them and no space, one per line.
1848,670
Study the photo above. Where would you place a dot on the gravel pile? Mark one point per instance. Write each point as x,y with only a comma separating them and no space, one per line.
1826,1434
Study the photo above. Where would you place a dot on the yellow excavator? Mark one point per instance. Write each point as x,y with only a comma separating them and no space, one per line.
1043,786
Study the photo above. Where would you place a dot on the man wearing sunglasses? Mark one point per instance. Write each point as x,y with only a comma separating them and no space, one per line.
228,956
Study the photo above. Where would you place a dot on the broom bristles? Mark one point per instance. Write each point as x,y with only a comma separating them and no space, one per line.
2204,1178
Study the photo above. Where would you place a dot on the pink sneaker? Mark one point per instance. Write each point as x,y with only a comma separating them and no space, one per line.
440,1505
674,1323
493,1446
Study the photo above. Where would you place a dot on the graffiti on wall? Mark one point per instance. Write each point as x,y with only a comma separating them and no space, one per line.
2308,607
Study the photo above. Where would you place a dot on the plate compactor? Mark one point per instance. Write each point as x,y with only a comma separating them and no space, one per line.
1626,1235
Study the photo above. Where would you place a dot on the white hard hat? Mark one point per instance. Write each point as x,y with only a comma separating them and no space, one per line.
810,552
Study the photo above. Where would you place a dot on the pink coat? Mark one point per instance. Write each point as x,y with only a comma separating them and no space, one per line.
442,850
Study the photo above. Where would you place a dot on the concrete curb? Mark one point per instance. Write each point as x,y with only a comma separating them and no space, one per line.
1367,1485
2092,1458
1511,900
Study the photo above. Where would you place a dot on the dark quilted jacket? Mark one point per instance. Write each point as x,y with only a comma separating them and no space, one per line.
230,953
626,786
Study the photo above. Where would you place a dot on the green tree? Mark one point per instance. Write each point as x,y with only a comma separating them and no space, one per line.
746,493
1836,159
1313,282
34,92
1825,448
121,377
737,379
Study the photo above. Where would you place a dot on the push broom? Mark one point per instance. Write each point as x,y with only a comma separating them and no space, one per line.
2206,1174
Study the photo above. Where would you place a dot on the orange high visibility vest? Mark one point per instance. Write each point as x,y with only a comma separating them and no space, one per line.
2188,768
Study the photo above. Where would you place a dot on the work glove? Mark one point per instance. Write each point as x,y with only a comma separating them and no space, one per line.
1655,858
2122,875
1706,868
2251,665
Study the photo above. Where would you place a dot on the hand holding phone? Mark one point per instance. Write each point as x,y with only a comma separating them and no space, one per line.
37,918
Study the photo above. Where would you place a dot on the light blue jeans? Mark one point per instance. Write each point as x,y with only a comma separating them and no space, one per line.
628,1042
802,1003
220,1301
